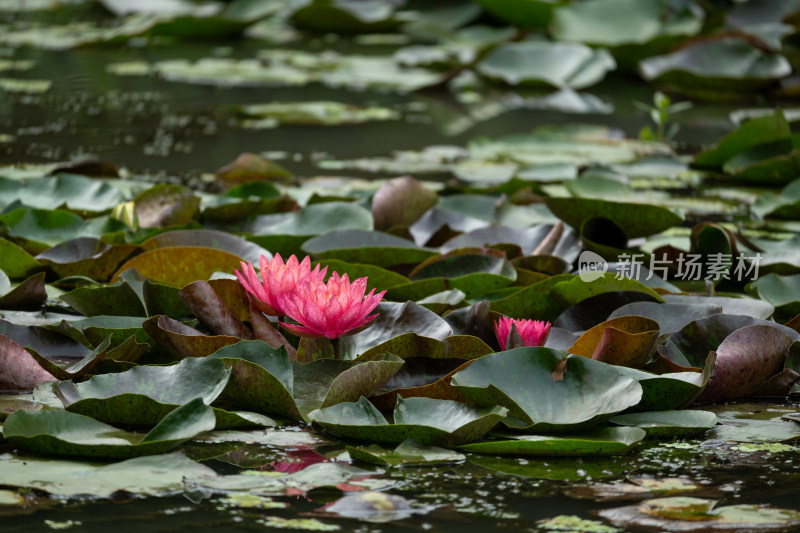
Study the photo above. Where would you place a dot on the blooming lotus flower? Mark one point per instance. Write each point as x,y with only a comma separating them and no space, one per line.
278,279
329,310
533,332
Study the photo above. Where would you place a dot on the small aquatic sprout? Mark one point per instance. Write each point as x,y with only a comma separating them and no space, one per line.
330,309
278,279
533,332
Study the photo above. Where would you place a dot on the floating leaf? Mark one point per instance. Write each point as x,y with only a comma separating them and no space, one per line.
599,441
636,219
624,341
716,67
427,421
522,379
368,247
29,293
178,266
18,370
144,395
64,433
147,476
546,63
695,514
400,202
86,256
668,423
219,240
408,452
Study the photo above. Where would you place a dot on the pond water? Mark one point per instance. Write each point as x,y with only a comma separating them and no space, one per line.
162,130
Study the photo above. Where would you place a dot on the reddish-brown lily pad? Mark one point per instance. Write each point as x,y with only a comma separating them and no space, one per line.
745,359
182,341
86,256
18,369
29,293
211,310
624,341
166,205
400,202
178,266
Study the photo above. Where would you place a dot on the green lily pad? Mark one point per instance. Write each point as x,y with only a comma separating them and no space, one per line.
523,13
265,380
599,441
668,423
546,63
764,130
75,193
636,219
427,421
147,476
81,368
533,301
86,256
394,319
474,271
18,263
346,17
674,390
781,291
119,299
36,230
63,433
144,395
320,113
219,240
377,278
714,67
539,387
649,27
670,317
695,514
333,475
407,453
367,247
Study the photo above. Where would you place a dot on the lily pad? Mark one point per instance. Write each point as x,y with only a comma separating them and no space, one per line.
394,319
599,441
674,390
745,359
29,293
63,433
407,453
265,380
636,219
711,67
368,247
218,240
624,341
144,395
320,113
540,388
177,266
682,513
147,476
668,423
427,421
86,256
556,65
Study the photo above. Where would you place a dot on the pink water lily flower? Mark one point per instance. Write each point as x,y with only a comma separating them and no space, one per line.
533,332
329,309
278,279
